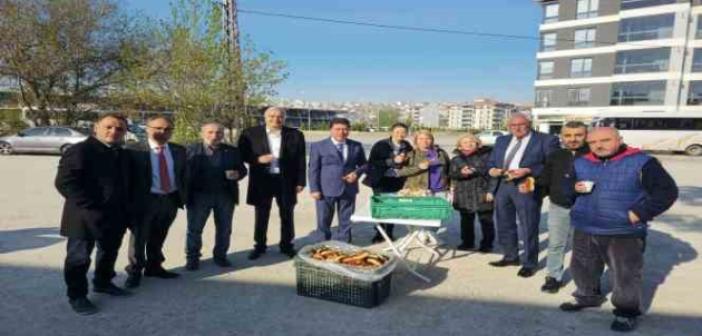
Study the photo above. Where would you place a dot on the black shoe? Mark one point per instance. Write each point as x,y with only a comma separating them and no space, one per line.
133,280
576,306
255,254
111,289
465,247
485,249
624,324
378,239
290,252
526,272
192,264
551,285
83,306
222,262
160,273
504,262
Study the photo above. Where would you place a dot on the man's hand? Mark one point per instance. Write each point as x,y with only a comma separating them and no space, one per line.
466,171
316,195
299,189
523,188
633,218
489,197
232,175
519,173
351,177
496,172
424,165
264,159
400,158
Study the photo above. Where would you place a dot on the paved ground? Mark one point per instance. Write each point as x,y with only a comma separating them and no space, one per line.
258,298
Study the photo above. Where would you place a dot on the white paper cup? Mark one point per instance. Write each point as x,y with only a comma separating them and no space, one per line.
588,185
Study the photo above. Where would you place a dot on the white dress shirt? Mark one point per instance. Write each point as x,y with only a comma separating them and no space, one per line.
520,152
275,140
344,151
155,173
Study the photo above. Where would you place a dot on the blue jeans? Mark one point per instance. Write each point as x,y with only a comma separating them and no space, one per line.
559,235
199,208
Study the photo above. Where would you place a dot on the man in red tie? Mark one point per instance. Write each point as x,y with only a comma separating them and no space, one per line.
159,190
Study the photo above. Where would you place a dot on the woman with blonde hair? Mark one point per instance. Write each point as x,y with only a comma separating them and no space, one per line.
470,185
427,165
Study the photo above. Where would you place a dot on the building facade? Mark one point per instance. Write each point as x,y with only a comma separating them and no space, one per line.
617,56
490,114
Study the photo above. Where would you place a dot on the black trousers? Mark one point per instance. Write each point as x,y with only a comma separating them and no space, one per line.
77,263
149,232
487,227
623,255
262,215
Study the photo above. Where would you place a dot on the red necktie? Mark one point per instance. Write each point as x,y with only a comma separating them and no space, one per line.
163,171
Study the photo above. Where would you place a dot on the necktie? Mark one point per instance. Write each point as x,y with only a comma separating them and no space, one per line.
163,171
511,154
340,148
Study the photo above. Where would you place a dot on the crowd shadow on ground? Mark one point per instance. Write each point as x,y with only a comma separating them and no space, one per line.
34,304
28,239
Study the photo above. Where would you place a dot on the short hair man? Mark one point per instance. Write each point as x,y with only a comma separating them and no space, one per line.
557,181
515,157
158,166
619,190
276,157
93,177
335,165
214,172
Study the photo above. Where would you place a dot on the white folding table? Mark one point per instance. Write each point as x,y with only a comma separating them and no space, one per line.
418,235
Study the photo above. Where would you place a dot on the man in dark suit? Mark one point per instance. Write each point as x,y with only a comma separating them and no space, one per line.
93,177
158,167
276,158
515,158
335,166
214,171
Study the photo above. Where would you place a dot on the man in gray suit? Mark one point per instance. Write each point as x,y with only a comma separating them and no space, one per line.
334,168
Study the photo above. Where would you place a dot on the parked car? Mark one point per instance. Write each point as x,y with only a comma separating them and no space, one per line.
49,139
135,133
488,137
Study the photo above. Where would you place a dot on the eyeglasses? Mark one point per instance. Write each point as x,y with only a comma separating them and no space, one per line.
163,129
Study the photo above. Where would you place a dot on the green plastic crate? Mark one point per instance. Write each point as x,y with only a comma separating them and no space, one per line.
429,207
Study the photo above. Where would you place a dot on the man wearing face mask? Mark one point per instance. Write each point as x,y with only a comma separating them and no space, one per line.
159,190
214,171
557,181
385,156
93,176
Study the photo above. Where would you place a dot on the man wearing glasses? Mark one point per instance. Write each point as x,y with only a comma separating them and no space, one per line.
158,167
517,157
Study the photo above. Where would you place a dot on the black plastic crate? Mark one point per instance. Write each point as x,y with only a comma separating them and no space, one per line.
320,283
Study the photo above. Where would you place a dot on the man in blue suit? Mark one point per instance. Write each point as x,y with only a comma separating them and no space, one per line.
335,165
515,158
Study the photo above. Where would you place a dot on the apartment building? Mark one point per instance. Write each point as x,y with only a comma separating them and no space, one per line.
616,57
490,114
460,116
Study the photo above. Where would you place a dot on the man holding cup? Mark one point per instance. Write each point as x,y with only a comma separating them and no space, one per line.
214,171
619,190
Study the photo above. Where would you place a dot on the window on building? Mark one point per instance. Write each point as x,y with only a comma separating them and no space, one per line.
698,34
581,67
632,4
551,12
587,9
546,70
694,96
585,38
644,60
697,60
638,93
579,97
654,27
544,98
548,42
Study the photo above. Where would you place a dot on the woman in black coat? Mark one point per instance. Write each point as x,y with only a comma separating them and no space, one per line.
469,182
386,156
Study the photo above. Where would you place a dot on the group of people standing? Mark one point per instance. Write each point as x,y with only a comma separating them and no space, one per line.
602,193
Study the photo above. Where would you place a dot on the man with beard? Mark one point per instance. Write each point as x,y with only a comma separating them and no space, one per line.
158,167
